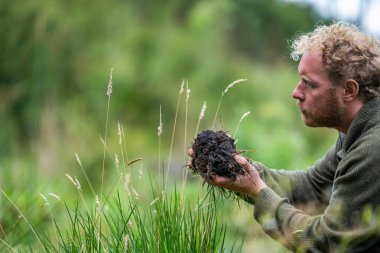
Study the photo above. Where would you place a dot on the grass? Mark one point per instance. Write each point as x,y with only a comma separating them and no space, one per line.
123,219
163,222
166,224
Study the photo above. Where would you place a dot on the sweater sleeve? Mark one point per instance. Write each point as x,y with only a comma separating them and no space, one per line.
304,189
347,220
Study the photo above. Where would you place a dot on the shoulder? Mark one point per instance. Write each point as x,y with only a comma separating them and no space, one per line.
363,154
369,141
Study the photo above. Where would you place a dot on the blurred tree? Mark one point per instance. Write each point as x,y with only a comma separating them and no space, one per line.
260,29
55,58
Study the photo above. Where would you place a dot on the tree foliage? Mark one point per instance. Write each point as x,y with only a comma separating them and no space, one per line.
56,56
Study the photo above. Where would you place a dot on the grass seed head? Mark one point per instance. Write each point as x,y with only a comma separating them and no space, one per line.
78,160
233,84
244,115
182,87
127,181
79,187
159,129
116,161
126,241
203,110
55,196
45,199
187,92
154,201
137,197
98,205
109,87
119,133
71,179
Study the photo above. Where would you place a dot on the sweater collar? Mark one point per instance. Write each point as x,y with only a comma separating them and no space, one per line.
367,117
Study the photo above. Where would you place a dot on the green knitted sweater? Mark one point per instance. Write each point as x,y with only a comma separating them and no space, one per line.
334,205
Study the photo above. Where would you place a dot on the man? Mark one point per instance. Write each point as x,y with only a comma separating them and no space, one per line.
334,205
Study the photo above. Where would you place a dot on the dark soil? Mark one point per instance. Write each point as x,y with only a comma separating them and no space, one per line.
213,155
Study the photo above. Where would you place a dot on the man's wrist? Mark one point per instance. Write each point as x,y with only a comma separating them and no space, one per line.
260,184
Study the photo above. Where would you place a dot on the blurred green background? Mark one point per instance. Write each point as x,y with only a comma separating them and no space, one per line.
56,58
55,62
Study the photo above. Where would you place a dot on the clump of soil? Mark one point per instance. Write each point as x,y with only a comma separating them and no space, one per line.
213,155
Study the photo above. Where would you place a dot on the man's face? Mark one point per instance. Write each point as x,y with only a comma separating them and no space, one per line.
318,99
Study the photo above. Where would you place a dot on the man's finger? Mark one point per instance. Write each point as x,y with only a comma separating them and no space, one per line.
190,152
244,163
218,180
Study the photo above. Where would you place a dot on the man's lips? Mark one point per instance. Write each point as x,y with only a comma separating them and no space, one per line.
300,106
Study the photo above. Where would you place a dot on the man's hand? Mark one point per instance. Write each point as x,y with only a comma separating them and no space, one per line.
248,183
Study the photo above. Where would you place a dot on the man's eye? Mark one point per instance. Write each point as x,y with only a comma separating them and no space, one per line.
309,84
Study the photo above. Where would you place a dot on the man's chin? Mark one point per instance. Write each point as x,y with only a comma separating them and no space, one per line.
311,125
308,122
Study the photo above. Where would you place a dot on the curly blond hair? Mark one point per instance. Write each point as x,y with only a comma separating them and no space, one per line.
347,53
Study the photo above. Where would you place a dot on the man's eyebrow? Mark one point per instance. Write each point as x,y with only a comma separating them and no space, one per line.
306,78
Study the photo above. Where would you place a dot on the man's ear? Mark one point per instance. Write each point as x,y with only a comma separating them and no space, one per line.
351,90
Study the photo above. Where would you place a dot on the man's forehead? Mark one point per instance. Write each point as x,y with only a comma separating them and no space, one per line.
311,60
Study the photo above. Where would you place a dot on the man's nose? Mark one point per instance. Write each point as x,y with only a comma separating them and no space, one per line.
297,92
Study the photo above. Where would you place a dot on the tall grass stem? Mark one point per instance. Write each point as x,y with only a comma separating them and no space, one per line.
186,118
109,92
23,216
47,203
125,151
85,174
221,98
120,133
241,119
173,133
217,111
184,172
201,116
159,133
7,245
